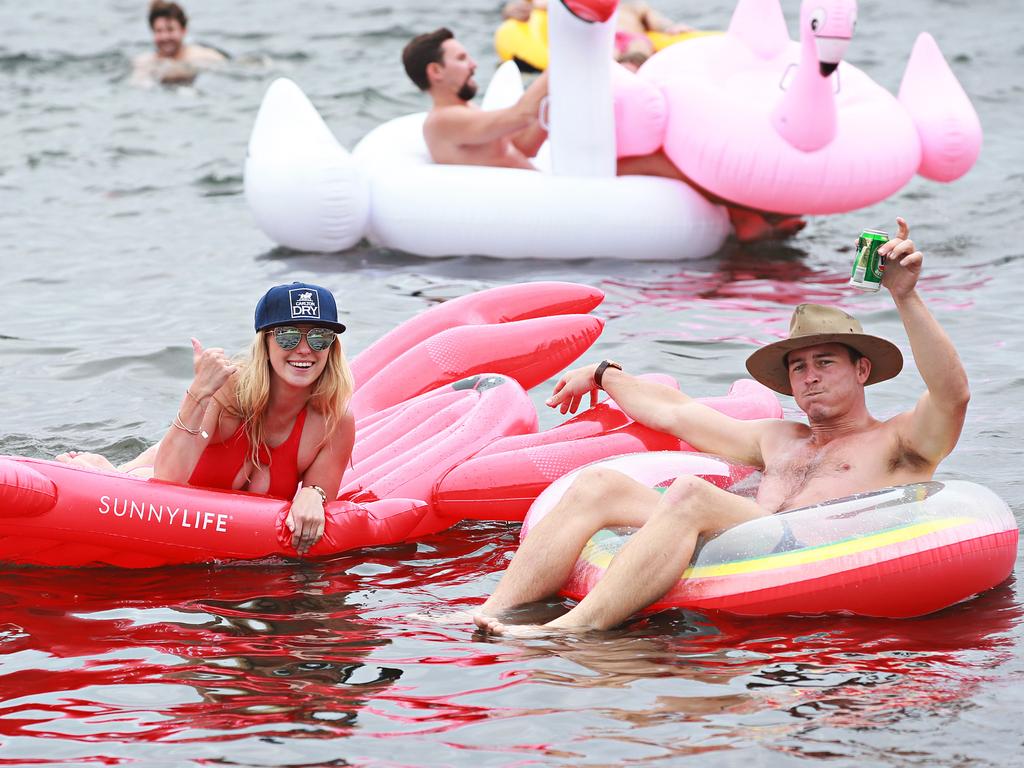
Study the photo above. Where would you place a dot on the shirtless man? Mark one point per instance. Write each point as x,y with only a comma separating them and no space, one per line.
825,364
459,133
173,62
456,131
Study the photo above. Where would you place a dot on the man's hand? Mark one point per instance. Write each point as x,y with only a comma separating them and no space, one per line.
305,519
902,262
571,388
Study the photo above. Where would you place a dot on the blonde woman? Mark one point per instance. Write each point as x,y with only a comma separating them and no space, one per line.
275,423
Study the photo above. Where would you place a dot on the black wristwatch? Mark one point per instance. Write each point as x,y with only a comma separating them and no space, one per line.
603,366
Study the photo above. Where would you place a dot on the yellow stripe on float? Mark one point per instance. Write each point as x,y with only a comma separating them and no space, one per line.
595,555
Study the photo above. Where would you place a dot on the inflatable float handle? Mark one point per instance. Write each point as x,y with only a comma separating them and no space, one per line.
24,492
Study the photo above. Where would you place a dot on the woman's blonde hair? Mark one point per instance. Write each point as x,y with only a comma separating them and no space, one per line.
330,397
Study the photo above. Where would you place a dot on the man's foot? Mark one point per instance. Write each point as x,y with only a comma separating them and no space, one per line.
753,226
490,625
90,460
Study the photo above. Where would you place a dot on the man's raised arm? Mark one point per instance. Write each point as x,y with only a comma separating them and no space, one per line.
933,427
466,126
666,410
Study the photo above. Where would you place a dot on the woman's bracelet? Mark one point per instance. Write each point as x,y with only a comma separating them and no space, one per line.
321,491
181,425
198,401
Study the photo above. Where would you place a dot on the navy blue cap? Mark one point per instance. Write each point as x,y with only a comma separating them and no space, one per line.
298,303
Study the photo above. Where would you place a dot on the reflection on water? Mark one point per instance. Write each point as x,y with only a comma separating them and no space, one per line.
304,653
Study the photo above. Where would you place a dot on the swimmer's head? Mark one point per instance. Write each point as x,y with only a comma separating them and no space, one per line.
168,22
437,59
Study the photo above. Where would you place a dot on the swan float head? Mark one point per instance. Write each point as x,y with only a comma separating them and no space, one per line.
593,11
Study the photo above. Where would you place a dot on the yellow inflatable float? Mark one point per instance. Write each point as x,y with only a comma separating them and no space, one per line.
526,42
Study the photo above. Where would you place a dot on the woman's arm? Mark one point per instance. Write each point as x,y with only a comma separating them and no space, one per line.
306,516
198,417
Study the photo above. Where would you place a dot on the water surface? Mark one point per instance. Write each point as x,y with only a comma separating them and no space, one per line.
123,232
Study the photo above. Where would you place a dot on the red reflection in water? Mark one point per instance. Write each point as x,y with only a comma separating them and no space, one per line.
324,650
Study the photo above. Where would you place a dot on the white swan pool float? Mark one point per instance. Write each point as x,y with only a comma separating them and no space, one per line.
307,192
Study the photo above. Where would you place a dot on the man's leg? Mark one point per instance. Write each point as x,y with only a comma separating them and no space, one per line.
597,498
749,225
653,561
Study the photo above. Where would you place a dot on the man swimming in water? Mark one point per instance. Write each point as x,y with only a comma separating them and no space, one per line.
825,365
459,133
174,61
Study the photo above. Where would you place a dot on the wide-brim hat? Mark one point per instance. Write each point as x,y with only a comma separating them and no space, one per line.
298,303
816,324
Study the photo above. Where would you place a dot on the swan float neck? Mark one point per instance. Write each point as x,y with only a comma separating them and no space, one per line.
582,112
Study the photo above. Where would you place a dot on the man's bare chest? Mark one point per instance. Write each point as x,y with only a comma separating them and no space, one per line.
805,473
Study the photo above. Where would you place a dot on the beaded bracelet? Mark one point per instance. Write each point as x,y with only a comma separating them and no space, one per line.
321,491
197,400
177,422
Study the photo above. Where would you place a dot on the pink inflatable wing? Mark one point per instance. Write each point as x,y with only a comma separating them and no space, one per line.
503,304
54,514
502,486
408,454
947,124
603,417
529,351
640,113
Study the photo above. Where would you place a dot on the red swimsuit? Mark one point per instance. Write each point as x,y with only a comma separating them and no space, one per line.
220,462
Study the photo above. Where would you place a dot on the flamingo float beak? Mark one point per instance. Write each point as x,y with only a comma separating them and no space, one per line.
830,52
591,11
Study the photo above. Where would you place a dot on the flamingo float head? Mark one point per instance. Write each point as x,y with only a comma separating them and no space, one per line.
806,114
828,25
592,11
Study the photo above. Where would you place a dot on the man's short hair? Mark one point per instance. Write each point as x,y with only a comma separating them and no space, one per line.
423,50
158,9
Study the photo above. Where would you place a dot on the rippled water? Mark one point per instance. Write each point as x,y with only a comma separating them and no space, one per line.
123,232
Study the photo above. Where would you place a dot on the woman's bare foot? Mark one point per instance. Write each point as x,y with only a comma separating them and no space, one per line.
90,460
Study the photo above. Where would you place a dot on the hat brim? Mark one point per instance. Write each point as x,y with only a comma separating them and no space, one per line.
768,364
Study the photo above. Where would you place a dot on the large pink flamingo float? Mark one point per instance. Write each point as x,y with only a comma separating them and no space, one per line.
765,122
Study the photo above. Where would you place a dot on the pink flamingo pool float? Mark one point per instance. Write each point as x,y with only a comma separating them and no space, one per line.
760,120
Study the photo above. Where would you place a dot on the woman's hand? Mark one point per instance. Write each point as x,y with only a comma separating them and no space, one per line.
212,370
306,519
902,262
571,388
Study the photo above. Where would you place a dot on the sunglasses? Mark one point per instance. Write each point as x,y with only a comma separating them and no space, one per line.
319,339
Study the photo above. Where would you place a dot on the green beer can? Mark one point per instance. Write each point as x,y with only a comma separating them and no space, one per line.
868,266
